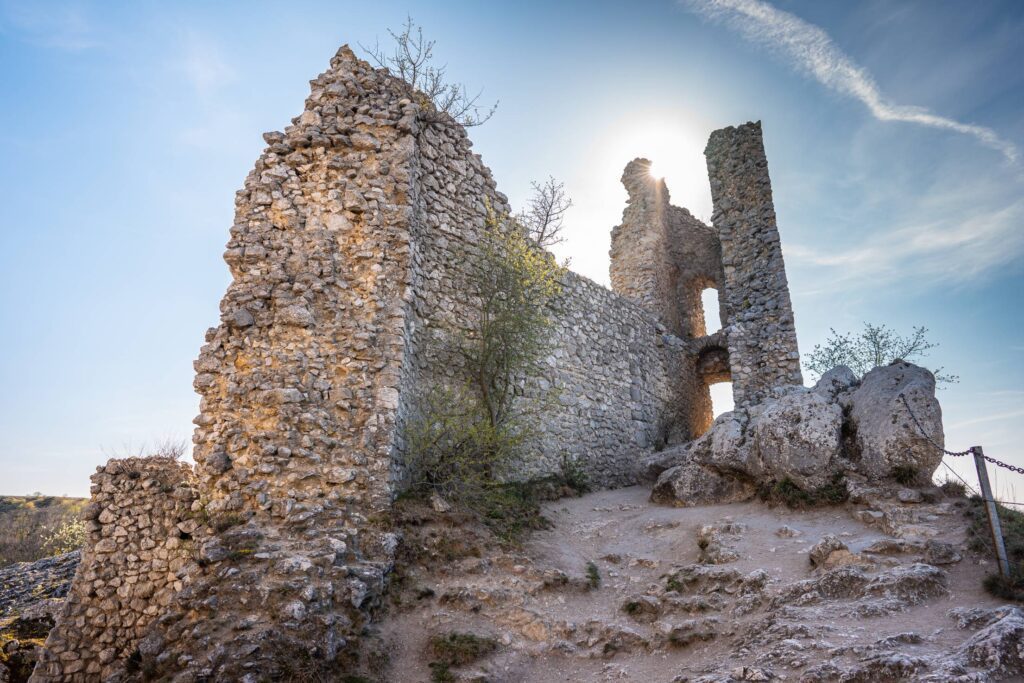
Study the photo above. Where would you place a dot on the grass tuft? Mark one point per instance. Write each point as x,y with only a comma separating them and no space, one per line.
456,649
787,493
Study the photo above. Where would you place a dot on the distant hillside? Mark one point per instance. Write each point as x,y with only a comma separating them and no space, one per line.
26,522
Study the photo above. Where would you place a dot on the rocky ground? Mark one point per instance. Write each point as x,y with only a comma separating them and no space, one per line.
31,594
620,589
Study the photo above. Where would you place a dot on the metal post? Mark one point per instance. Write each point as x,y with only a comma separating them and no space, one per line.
990,508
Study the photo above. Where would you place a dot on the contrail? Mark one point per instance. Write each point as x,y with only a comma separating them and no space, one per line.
811,50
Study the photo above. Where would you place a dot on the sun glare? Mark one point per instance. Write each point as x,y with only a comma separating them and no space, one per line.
675,148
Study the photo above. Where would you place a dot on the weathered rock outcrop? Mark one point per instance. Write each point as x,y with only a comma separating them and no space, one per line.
886,434
807,436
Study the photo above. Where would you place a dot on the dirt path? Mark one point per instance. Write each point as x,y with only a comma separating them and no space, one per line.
620,590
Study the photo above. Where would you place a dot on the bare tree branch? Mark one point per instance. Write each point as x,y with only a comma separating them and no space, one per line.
412,61
545,212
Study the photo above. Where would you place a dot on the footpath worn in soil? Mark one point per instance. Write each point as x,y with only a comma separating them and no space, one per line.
620,589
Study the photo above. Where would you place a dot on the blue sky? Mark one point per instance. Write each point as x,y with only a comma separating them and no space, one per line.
127,128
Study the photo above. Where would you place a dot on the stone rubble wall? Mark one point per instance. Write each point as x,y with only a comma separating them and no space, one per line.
300,388
763,351
136,559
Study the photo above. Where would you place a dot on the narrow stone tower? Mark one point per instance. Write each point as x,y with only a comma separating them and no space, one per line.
663,257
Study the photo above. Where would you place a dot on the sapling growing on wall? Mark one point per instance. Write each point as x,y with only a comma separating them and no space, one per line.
412,60
469,429
874,346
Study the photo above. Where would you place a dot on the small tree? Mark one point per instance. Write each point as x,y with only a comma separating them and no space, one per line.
872,347
545,212
467,431
412,61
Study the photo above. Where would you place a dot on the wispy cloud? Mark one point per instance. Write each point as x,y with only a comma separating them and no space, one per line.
952,247
812,51
996,417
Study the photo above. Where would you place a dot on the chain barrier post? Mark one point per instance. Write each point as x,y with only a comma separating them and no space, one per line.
993,512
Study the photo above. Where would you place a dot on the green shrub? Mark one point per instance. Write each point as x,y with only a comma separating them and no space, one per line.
467,432
457,649
1005,587
908,475
789,494
593,576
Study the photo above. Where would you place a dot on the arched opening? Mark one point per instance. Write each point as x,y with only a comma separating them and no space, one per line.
721,398
712,311
713,369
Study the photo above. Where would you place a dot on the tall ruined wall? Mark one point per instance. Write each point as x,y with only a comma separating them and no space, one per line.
139,522
663,257
762,334
611,366
352,240
300,388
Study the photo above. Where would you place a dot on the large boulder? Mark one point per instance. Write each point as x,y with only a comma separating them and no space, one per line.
886,435
808,436
726,448
693,484
798,437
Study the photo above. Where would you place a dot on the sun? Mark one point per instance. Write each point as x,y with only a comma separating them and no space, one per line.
675,148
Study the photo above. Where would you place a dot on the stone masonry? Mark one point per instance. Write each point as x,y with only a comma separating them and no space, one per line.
663,258
136,560
763,352
353,238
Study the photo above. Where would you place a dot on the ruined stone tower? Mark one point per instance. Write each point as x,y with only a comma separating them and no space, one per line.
663,258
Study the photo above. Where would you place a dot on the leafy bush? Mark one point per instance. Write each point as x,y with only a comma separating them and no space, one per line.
872,347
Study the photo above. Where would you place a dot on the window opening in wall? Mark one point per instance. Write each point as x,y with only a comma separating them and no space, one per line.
712,314
721,398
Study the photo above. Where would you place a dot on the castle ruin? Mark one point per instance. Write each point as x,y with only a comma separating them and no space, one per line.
352,237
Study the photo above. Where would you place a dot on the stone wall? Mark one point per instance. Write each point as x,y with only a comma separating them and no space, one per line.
614,367
136,559
762,334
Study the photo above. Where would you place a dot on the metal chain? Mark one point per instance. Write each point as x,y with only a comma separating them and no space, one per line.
1000,463
988,458
928,438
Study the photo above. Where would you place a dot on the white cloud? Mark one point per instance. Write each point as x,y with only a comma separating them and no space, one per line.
811,50
942,246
